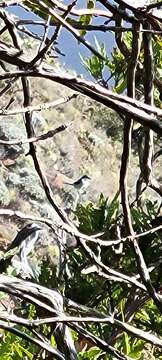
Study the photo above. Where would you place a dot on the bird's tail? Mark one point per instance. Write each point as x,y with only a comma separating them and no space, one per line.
68,183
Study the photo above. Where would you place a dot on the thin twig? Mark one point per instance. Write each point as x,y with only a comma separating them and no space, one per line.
64,23
109,271
128,124
49,134
147,155
74,231
24,289
44,345
39,107
81,12
4,4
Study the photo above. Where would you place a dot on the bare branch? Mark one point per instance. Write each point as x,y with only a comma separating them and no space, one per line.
128,124
145,114
28,290
81,12
64,23
39,107
45,136
43,345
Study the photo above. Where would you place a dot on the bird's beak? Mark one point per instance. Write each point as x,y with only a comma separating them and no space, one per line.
39,228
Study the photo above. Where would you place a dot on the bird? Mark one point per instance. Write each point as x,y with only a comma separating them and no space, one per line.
81,184
24,235
24,241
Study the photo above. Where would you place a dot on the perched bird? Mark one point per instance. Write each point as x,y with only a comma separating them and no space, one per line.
25,235
81,184
24,241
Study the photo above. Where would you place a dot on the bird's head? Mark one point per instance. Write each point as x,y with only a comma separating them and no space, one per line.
28,230
84,181
33,227
85,177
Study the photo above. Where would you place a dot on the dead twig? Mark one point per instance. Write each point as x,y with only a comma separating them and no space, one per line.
44,106
45,136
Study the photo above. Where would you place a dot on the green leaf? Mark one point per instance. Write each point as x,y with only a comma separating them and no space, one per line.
36,9
112,208
122,85
86,19
93,353
127,344
94,65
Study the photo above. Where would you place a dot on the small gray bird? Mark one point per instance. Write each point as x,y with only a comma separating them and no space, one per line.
81,184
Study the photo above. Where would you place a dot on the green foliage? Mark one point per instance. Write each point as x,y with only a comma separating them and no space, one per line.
157,48
93,290
86,19
93,353
14,348
103,216
94,65
117,67
48,274
36,9
95,218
